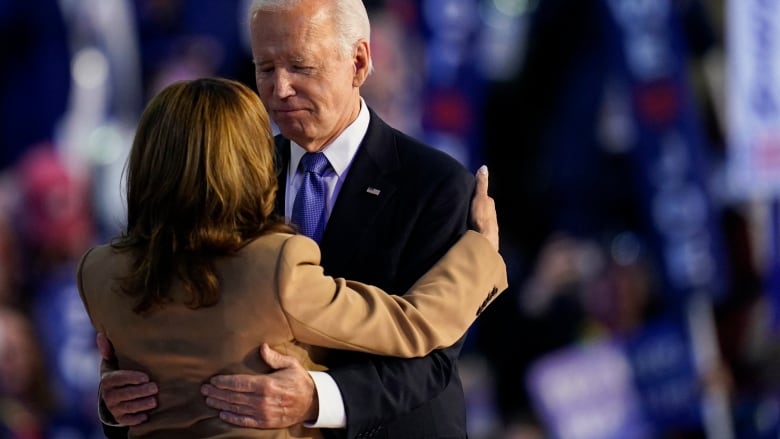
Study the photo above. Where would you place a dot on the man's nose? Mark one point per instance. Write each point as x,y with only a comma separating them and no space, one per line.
283,84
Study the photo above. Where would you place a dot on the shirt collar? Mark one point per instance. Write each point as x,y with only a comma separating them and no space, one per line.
342,150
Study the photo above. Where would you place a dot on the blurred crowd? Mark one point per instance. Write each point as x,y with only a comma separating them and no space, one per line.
640,301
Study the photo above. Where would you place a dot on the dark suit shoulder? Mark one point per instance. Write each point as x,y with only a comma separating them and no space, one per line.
415,156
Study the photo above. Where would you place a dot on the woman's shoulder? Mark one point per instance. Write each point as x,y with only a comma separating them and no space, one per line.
278,242
97,254
269,240
284,246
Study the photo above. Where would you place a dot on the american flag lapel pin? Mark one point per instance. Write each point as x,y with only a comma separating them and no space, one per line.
373,190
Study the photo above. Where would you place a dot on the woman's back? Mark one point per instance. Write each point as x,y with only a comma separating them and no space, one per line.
181,348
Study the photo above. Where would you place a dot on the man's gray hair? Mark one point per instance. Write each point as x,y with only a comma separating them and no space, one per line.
350,18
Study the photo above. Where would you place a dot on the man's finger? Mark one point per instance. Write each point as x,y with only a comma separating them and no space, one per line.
242,407
131,408
231,407
242,421
275,359
119,378
256,421
225,394
104,346
132,419
131,394
235,383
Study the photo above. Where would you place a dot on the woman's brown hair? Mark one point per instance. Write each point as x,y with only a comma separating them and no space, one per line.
201,183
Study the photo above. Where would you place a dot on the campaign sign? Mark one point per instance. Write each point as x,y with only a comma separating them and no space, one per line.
665,376
644,386
587,392
753,97
753,109
671,161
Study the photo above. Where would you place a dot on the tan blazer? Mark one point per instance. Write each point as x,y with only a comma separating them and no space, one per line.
274,291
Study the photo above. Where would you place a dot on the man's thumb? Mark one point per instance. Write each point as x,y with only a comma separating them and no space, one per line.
275,359
104,346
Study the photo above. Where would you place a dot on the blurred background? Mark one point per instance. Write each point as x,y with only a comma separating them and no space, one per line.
634,154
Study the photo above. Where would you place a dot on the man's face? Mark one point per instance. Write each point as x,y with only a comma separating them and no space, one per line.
309,87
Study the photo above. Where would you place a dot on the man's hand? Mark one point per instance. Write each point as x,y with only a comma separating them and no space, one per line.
483,209
279,399
126,393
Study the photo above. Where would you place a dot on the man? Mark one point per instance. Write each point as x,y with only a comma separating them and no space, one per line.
399,205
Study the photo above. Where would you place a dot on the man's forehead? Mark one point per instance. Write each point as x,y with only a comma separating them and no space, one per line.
310,48
284,53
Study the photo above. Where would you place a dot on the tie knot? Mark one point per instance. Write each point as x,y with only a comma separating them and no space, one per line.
315,162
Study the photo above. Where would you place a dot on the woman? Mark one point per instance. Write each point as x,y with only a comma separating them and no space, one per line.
204,273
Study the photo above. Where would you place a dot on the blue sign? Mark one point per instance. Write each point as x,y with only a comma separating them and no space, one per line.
587,392
670,159
642,387
665,376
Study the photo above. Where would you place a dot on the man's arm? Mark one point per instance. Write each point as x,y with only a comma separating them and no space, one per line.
125,395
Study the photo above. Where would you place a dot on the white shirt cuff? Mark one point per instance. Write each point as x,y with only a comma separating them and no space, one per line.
332,413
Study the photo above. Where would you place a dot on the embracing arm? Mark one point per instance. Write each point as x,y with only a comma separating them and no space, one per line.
433,314
286,396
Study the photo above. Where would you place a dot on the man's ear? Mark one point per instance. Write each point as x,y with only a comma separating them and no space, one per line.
362,63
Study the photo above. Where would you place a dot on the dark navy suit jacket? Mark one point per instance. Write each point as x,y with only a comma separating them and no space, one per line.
402,205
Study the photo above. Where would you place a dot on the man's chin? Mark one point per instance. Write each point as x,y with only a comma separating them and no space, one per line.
293,133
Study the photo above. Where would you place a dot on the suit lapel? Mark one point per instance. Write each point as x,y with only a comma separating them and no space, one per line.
368,187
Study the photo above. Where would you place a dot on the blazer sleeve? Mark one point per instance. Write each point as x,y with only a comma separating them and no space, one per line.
434,313
80,283
110,430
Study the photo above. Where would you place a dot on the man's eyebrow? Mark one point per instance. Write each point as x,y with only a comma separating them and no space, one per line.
295,59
